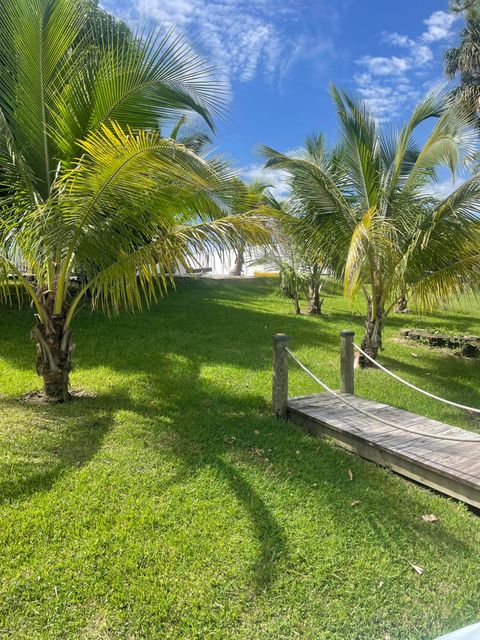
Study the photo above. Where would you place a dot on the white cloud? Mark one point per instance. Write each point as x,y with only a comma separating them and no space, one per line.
444,188
380,66
386,82
386,101
277,179
243,37
439,26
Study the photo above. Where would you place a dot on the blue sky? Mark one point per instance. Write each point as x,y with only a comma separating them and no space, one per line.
279,56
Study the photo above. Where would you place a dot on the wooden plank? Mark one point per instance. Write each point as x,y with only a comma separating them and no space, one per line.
452,468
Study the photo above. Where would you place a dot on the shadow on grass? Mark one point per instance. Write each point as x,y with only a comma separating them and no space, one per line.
447,381
53,442
166,351
215,320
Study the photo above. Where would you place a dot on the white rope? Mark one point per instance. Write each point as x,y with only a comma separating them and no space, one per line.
371,415
412,386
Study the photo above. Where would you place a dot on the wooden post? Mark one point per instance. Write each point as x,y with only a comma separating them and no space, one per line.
280,376
346,362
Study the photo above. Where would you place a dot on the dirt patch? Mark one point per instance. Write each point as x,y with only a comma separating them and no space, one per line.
38,397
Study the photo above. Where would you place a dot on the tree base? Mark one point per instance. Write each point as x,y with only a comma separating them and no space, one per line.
39,397
315,307
56,386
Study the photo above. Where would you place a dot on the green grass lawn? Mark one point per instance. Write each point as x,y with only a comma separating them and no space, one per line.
171,505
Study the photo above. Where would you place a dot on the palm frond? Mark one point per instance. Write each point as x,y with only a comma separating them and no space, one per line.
137,276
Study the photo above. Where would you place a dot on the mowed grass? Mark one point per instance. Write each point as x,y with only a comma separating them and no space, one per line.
171,505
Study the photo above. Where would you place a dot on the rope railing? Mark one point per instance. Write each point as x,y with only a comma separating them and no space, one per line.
413,386
373,416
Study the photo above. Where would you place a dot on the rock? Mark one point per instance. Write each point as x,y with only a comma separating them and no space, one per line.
468,346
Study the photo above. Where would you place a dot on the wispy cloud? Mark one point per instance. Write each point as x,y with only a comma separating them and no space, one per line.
243,37
276,179
390,83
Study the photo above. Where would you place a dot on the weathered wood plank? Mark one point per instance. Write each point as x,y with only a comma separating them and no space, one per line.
452,468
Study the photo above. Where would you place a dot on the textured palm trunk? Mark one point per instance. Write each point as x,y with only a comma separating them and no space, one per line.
372,340
296,305
54,356
402,304
239,261
314,302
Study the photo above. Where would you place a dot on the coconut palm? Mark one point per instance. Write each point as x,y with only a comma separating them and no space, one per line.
87,182
463,63
469,7
247,197
370,208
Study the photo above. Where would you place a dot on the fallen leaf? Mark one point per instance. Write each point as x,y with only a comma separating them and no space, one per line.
429,517
380,584
355,503
350,474
387,637
415,355
417,569
256,432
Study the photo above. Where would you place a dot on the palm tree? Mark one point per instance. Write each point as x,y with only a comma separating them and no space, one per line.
370,210
463,62
469,7
247,197
87,182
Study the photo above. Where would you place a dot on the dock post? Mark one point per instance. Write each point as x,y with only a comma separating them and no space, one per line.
280,376
347,362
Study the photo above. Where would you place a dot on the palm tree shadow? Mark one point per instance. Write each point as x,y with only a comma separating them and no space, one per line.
169,375
59,448
269,534
194,448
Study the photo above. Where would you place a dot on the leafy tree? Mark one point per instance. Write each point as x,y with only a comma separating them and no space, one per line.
246,197
286,259
297,278
87,182
463,61
469,7
370,209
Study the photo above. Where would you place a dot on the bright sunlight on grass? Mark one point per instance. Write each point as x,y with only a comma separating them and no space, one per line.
169,504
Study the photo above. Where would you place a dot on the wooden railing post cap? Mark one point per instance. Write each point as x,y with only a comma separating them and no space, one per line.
346,333
280,337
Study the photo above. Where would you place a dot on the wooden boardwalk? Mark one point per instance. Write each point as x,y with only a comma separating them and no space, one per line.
452,468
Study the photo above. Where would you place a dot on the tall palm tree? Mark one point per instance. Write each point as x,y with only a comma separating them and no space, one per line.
87,182
469,7
247,197
463,63
370,209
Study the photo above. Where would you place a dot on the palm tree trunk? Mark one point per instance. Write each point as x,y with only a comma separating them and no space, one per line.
296,304
54,357
314,302
372,340
239,261
402,304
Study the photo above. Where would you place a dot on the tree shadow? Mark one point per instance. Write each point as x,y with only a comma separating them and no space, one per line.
216,425
243,432
448,382
58,448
